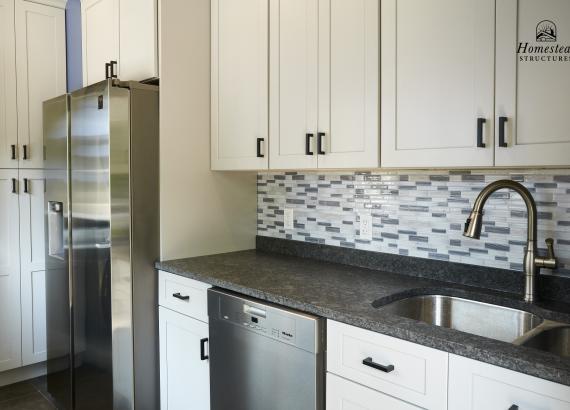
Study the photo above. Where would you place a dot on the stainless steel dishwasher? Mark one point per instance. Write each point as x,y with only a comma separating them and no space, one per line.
263,356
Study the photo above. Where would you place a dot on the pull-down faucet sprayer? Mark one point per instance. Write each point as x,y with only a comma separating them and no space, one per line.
532,262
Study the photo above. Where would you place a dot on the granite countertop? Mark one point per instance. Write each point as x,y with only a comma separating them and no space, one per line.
346,294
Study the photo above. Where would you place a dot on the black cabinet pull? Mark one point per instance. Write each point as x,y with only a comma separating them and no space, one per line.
13,148
14,186
185,298
203,355
502,125
113,66
320,151
514,407
308,138
259,141
480,126
25,146
370,363
107,71
26,185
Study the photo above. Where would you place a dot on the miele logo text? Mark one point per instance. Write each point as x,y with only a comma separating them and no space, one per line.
546,32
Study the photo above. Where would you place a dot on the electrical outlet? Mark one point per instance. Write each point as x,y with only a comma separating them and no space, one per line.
289,218
366,226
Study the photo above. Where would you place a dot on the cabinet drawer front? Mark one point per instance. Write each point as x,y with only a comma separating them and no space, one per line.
346,395
183,295
402,369
475,385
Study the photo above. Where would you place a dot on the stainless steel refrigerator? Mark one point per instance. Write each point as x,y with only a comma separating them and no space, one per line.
102,238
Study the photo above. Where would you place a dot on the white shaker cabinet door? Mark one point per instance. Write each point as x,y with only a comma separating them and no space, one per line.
475,385
348,83
533,82
41,72
293,83
100,38
10,335
8,116
343,394
184,375
32,265
138,33
437,83
240,70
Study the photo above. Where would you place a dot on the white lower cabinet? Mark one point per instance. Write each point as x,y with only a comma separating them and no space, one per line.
184,364
346,395
10,323
404,370
32,266
475,385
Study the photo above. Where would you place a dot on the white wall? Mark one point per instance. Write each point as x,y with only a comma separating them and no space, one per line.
201,212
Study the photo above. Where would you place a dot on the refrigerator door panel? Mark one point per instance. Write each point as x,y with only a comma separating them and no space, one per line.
122,278
58,302
91,254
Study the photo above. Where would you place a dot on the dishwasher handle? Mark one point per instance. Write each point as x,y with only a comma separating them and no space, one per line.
251,310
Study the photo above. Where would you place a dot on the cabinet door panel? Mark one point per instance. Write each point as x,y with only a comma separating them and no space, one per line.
138,33
438,77
100,37
239,83
32,256
41,72
343,394
475,385
10,339
294,85
184,377
349,82
533,91
8,120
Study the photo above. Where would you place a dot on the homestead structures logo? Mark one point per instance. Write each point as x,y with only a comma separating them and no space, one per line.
546,48
546,31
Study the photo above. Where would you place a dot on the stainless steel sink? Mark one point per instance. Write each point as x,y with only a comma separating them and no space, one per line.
552,339
483,319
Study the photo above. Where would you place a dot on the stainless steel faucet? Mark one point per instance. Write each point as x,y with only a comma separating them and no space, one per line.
532,262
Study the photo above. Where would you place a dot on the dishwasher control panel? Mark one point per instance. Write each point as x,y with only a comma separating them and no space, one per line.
273,321
259,318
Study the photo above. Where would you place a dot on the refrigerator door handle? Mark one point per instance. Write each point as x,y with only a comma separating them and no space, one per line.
56,230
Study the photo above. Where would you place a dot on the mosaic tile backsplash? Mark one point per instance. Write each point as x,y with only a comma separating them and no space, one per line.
418,213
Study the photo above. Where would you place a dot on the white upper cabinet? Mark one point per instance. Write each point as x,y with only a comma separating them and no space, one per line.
348,83
138,33
324,62
437,83
100,38
123,31
10,336
240,84
533,82
32,266
41,72
294,83
8,118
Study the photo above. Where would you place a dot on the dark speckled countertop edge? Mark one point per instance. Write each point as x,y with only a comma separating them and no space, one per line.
521,359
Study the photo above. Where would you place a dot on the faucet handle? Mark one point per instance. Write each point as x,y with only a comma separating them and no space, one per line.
550,247
550,262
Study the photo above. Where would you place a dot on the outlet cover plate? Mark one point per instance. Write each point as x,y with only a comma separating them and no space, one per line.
366,226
